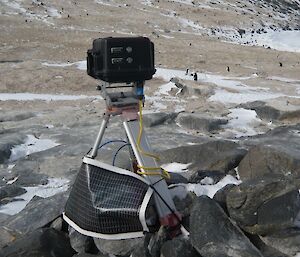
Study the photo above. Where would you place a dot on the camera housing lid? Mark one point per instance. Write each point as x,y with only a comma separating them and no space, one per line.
121,59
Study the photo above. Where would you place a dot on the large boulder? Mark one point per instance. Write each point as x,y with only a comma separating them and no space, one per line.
183,201
155,119
213,234
140,251
28,174
38,213
45,242
276,151
200,122
214,155
118,247
277,157
286,241
276,109
264,205
79,242
266,250
90,255
178,247
220,196
7,236
207,177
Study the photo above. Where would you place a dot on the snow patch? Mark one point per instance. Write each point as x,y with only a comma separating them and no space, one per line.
53,12
165,89
224,96
279,40
106,2
207,181
210,190
54,186
282,79
48,13
242,122
243,93
31,145
176,167
10,182
80,65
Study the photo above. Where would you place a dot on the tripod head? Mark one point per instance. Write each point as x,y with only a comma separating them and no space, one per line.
117,100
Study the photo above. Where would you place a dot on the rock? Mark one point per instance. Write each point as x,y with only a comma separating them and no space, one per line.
5,151
46,242
57,224
141,250
178,247
241,32
156,241
183,202
192,89
276,110
60,166
266,250
215,155
28,174
155,119
285,241
206,177
264,205
213,234
9,191
3,218
263,111
117,247
7,142
16,116
38,213
79,242
200,122
89,255
178,82
7,237
220,196
176,178
275,158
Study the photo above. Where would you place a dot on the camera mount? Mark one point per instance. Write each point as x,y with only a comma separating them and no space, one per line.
128,105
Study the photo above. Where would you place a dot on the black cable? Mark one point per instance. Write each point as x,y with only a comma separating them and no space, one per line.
115,156
172,211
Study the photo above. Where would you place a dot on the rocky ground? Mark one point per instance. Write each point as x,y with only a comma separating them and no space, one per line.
237,125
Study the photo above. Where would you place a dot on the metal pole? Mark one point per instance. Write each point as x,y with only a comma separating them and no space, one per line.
166,208
99,136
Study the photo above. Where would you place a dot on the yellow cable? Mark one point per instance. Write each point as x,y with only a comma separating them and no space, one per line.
164,173
140,135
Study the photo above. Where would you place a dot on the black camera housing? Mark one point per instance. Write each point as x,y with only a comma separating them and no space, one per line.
121,59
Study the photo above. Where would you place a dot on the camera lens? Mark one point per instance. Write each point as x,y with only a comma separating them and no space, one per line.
129,49
129,60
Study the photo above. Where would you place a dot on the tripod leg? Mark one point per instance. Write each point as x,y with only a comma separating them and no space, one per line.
164,203
99,136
